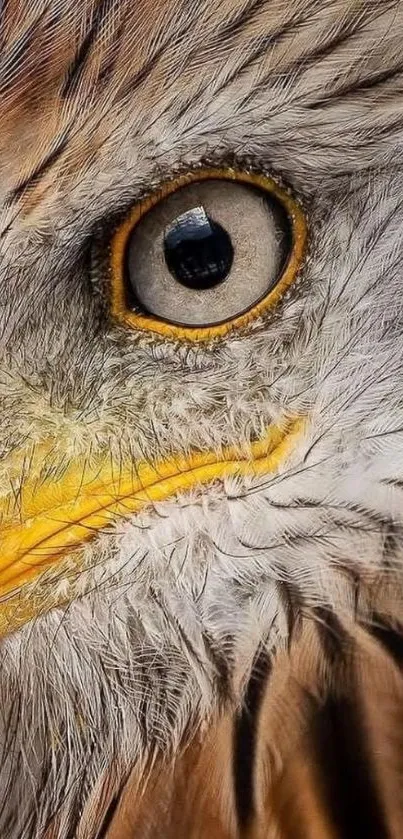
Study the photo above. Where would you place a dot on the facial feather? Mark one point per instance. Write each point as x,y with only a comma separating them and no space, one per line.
99,103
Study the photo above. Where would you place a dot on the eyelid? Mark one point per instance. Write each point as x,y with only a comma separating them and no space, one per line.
136,320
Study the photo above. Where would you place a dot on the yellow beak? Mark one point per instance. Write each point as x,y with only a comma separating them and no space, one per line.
52,515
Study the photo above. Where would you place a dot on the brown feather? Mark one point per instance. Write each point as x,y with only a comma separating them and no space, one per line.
193,796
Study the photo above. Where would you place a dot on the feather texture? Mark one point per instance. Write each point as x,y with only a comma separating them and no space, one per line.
226,643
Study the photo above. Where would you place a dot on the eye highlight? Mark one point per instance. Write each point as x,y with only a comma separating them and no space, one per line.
205,254
198,251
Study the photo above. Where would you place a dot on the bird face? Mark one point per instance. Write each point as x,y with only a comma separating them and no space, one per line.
202,445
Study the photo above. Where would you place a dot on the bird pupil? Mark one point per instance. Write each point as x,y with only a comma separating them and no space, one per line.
198,251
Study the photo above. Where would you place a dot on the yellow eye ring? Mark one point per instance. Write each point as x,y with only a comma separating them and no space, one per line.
140,321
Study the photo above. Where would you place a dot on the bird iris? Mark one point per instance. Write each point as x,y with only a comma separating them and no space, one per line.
206,253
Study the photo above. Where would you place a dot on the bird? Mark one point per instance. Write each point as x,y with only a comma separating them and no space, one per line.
201,419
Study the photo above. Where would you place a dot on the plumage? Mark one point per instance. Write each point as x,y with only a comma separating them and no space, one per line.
220,645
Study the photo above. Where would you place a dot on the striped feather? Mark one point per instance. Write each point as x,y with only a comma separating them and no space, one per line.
234,671
325,761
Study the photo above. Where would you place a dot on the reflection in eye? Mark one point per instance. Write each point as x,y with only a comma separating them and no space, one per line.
198,251
206,253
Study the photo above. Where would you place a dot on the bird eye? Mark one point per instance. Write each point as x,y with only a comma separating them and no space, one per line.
205,253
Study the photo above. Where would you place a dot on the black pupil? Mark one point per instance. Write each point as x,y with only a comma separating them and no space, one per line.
198,251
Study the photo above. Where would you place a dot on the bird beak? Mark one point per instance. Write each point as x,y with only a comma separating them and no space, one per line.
56,510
